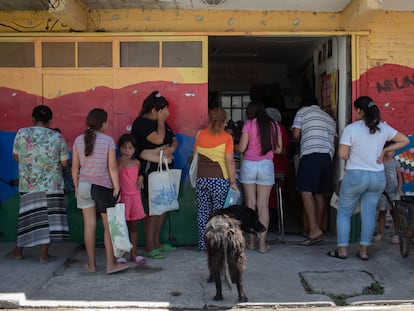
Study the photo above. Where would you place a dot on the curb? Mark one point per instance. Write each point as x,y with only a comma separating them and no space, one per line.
12,301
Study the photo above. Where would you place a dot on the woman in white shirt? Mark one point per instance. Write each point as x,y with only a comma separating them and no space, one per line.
362,147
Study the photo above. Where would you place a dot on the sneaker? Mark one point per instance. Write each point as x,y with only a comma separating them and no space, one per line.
377,237
395,239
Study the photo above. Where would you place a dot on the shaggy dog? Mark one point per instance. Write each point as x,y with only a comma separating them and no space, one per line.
226,245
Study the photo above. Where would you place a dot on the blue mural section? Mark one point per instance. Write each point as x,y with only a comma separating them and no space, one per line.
183,154
8,170
181,224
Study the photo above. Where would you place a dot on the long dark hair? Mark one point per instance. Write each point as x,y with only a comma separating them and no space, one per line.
127,138
94,121
266,126
153,101
372,116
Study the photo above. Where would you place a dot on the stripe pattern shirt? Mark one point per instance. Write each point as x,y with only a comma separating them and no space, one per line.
94,168
318,130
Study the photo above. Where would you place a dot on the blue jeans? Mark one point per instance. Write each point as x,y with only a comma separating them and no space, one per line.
357,185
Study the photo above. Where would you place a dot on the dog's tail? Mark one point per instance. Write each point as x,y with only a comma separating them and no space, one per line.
227,276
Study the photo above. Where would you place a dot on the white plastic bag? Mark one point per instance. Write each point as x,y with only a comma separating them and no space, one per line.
163,189
192,173
118,229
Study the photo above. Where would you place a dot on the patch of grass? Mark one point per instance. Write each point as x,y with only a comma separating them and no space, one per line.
340,300
374,289
305,285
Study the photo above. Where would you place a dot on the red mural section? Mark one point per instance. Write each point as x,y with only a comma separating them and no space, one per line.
188,107
392,89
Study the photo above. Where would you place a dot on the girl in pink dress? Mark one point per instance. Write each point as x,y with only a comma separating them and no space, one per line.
130,190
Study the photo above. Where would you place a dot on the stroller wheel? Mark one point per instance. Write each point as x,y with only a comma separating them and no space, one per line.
405,244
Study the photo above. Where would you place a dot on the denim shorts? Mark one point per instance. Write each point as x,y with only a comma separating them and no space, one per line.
257,172
84,198
94,195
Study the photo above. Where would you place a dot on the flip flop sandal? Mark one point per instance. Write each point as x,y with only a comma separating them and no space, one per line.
121,267
121,260
309,242
168,247
139,260
364,258
264,250
155,254
335,254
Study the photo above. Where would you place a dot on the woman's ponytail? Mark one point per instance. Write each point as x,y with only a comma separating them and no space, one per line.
94,121
372,115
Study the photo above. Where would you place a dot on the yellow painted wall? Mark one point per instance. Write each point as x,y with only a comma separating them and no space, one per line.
391,40
134,20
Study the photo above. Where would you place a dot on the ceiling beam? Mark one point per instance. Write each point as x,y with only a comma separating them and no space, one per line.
73,13
360,12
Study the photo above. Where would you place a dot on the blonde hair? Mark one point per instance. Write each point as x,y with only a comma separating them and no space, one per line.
217,118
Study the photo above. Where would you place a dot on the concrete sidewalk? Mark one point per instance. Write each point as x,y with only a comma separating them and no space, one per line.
289,274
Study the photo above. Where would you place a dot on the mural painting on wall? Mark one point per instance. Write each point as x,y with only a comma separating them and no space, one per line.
188,110
392,88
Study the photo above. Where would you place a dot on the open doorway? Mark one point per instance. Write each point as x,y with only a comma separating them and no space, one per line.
280,71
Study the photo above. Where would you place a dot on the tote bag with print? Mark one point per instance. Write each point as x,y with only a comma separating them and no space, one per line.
163,189
118,229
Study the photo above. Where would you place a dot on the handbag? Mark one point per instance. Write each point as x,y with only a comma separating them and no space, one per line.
192,173
163,189
335,199
118,229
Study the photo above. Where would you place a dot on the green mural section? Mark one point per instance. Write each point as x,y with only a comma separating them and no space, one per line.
8,218
180,227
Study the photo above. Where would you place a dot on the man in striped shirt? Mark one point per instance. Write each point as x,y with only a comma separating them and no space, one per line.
316,131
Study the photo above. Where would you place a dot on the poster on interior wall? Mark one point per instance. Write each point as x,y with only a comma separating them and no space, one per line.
232,77
329,91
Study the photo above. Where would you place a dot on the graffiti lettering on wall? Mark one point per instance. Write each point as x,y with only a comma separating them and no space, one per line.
397,83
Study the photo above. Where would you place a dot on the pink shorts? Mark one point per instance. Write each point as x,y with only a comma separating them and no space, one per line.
134,210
